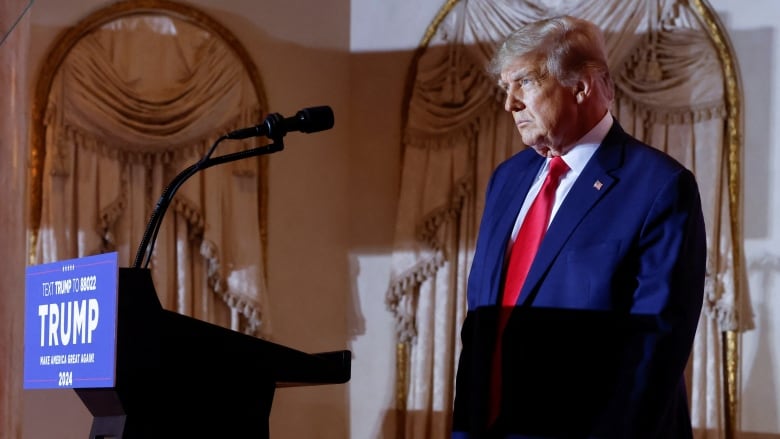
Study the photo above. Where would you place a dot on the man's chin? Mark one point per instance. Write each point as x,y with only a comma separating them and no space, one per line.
542,150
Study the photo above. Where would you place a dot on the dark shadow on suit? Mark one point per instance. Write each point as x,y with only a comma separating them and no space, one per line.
562,368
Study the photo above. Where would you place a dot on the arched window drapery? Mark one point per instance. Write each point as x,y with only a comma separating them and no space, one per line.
456,132
127,99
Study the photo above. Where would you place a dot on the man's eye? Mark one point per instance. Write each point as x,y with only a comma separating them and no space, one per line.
522,82
518,83
526,81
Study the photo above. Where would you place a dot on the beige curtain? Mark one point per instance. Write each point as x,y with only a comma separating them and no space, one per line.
135,102
14,47
670,93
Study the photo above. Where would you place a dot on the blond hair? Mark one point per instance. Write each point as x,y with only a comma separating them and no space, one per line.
571,48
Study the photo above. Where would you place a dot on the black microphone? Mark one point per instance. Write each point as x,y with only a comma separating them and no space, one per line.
308,120
275,126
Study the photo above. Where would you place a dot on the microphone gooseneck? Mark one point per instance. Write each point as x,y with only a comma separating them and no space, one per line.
275,127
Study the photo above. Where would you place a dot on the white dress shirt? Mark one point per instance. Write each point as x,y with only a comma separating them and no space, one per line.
576,159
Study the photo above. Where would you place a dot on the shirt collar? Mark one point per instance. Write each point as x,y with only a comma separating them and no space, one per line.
583,149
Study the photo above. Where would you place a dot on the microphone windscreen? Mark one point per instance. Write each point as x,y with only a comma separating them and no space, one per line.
313,119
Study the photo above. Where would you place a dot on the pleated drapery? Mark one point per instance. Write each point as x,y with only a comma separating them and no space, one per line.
135,102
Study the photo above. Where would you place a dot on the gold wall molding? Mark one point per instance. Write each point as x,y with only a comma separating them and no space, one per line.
734,135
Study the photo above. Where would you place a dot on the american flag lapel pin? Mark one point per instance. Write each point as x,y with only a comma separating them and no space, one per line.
598,185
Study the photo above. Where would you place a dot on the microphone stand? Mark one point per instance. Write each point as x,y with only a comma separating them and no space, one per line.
150,235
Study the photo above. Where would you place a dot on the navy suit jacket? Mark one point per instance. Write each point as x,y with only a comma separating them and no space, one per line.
598,342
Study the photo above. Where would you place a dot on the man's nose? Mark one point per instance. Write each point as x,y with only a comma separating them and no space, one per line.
513,102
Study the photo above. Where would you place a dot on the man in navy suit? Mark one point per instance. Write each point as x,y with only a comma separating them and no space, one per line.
596,342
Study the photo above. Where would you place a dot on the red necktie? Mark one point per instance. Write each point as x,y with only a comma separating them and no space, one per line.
531,232
520,258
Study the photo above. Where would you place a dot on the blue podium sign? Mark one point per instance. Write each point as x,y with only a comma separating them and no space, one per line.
70,323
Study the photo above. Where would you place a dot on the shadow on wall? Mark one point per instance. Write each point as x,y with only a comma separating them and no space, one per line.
761,407
392,427
759,403
754,50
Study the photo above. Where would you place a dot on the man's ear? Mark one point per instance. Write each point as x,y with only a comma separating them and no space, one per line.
582,89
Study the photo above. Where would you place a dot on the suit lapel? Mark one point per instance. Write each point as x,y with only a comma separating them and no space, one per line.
594,182
511,195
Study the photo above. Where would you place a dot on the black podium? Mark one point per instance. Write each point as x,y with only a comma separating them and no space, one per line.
180,377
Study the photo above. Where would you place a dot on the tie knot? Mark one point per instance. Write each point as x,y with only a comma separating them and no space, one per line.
557,167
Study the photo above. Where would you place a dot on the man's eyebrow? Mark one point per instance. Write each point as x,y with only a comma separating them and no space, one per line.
522,74
515,76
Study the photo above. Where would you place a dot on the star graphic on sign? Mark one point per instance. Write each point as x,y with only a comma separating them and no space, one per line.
598,185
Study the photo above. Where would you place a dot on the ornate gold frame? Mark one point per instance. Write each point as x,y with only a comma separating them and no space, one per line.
59,51
734,129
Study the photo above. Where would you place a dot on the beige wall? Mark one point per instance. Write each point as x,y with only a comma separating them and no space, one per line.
754,31
332,197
